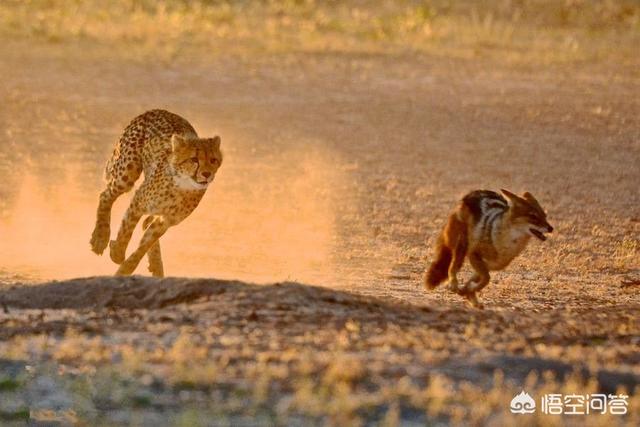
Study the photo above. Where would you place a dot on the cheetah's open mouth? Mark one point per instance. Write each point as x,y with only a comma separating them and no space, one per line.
538,234
205,182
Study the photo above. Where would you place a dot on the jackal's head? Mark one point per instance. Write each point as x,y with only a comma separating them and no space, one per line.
195,161
526,211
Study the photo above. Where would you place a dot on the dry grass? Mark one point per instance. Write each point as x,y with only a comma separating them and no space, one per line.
261,354
627,252
532,30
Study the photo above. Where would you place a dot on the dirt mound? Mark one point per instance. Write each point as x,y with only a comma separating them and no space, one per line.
111,292
138,292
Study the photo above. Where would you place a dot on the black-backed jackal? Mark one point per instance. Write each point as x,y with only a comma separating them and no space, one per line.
490,230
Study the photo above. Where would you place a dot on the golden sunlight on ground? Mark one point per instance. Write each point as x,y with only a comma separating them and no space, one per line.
263,222
45,229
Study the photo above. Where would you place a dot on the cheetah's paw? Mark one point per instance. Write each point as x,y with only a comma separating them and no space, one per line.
156,270
117,252
126,268
100,239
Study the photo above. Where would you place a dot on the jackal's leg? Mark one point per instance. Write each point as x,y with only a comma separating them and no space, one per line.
118,247
154,255
481,277
472,300
154,231
479,280
458,254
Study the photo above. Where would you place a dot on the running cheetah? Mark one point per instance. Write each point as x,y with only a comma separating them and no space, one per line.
178,166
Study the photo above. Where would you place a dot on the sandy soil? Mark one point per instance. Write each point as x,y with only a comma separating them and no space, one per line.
339,172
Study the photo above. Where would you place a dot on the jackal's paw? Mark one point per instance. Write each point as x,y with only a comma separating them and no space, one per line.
117,252
100,238
471,286
472,300
457,288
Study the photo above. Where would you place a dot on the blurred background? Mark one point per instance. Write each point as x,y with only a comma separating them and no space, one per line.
540,30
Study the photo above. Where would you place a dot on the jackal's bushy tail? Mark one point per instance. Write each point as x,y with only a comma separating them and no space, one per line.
439,268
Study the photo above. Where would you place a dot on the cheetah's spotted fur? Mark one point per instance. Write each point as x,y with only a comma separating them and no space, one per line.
178,166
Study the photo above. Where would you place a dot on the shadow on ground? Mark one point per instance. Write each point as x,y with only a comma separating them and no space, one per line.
478,343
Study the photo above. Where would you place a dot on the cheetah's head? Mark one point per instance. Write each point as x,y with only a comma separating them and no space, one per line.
195,160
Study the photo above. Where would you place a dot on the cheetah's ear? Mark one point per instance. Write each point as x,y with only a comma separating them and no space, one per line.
215,142
177,142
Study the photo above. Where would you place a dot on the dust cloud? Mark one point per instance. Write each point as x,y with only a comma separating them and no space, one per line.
260,221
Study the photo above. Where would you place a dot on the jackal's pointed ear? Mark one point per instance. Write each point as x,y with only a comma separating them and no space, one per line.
215,142
511,197
532,200
177,142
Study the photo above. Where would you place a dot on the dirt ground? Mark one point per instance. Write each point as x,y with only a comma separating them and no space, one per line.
339,171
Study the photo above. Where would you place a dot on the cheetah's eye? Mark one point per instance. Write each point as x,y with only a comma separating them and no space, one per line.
214,161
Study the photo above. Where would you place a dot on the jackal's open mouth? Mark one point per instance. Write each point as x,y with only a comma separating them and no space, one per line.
538,234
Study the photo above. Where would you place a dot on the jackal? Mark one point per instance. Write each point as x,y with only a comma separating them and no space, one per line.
489,229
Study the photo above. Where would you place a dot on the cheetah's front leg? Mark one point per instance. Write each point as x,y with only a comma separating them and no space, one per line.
102,229
154,255
154,231
121,180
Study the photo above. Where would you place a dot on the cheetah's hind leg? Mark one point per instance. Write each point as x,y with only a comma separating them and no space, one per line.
154,255
156,229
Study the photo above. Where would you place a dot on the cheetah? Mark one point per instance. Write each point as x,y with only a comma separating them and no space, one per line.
178,167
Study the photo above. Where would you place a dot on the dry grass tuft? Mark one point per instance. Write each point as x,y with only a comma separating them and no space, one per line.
546,30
